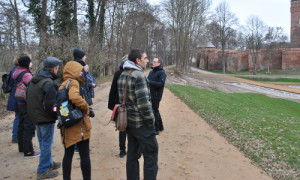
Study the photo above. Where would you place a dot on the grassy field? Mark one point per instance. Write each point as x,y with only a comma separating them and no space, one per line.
266,129
277,80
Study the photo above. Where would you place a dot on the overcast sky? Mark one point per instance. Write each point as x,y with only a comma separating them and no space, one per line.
272,12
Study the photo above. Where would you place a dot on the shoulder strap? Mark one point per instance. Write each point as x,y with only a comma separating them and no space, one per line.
68,83
20,76
126,88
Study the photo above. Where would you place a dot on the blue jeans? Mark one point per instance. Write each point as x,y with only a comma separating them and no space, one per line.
15,127
45,134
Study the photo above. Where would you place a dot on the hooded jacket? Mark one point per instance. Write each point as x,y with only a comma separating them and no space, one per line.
139,108
81,130
40,101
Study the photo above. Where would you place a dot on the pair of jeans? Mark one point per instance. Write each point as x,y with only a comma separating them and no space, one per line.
158,121
122,140
45,134
142,141
85,161
26,131
15,127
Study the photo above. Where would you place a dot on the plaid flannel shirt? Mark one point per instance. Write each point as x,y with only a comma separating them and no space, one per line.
138,104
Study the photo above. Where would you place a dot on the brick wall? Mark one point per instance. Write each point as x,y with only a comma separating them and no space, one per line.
291,59
237,60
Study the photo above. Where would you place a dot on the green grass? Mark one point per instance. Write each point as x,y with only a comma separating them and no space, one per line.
266,129
277,80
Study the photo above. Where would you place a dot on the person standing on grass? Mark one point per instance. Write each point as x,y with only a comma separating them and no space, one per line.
40,100
140,129
157,78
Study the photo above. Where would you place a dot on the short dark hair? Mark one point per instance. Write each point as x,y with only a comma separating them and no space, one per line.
134,54
160,61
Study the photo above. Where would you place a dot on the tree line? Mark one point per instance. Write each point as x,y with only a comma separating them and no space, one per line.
108,29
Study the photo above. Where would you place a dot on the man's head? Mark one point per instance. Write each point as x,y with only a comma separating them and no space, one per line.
79,54
156,62
51,64
139,57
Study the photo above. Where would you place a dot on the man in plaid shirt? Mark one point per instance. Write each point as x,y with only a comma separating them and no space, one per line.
140,129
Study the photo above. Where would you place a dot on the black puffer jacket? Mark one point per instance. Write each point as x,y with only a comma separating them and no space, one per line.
41,96
157,78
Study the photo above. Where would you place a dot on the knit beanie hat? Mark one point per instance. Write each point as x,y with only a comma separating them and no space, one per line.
24,61
78,54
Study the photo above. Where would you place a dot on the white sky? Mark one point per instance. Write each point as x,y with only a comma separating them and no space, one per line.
274,13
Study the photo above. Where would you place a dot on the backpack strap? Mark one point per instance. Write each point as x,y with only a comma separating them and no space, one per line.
20,76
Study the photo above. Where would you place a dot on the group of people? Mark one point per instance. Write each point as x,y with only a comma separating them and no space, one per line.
142,103
37,112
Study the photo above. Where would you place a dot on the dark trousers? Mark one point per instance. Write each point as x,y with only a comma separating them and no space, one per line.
142,141
158,121
85,161
122,141
26,131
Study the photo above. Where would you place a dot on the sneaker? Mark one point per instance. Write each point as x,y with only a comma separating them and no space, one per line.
55,165
122,153
32,154
47,174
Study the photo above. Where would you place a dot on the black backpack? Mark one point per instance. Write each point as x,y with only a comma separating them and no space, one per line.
7,83
67,113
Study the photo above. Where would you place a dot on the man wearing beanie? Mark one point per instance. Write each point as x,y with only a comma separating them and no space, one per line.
40,95
26,129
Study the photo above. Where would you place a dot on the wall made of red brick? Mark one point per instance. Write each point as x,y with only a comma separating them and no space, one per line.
291,59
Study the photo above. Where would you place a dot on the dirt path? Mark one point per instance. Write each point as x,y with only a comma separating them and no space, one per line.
188,148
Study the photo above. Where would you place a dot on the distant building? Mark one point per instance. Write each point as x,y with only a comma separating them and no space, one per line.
295,23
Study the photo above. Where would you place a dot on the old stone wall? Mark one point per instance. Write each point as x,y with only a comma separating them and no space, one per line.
238,60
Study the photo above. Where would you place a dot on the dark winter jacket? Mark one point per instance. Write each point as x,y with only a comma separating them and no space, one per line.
90,81
12,101
157,78
85,89
41,96
113,98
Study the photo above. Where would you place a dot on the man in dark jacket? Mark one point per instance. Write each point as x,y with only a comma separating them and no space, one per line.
41,99
112,101
157,78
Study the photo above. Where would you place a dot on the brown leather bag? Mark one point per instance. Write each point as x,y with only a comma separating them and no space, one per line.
119,116
119,113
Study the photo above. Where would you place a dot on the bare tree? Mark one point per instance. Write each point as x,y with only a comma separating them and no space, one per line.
255,32
275,39
186,19
225,21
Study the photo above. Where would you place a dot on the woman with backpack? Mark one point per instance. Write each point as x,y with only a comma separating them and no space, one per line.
80,132
26,128
12,101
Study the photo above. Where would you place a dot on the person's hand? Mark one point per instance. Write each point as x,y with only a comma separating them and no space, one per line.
87,112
